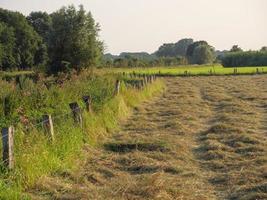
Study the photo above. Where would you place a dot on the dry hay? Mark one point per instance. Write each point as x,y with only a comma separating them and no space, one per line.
205,138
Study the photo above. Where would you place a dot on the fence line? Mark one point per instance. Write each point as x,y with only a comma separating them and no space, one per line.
76,112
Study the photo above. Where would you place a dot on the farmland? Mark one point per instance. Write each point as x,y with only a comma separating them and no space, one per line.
201,138
133,100
193,70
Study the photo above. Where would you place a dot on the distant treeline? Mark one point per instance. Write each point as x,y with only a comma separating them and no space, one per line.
65,39
185,51
68,39
248,58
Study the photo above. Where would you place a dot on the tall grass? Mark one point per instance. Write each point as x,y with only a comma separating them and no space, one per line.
35,154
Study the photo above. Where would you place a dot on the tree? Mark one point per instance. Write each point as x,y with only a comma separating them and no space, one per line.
236,48
42,24
180,48
246,58
174,50
166,50
264,49
7,47
74,39
200,52
191,48
203,54
26,43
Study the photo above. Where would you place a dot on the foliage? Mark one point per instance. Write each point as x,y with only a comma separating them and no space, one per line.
200,52
21,44
41,40
248,58
264,49
174,49
191,48
203,54
42,24
73,39
235,48
7,45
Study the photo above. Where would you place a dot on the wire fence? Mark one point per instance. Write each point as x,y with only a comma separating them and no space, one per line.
47,121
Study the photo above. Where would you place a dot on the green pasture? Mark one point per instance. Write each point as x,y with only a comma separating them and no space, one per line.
193,70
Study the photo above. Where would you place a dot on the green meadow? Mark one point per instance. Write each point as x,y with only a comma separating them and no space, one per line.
193,70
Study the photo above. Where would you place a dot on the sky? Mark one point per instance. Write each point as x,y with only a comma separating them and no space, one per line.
144,25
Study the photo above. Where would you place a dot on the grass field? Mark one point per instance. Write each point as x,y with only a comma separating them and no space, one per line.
203,138
192,70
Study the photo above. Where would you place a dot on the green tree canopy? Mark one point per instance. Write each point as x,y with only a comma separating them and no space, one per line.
191,48
236,48
200,52
174,49
42,24
264,49
166,50
246,58
74,39
181,46
7,47
203,54
25,41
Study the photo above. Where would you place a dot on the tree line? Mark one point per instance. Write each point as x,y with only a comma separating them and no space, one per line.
183,52
60,41
236,57
68,39
186,51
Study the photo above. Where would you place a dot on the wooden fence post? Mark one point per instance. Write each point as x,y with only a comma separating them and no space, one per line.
48,126
77,113
117,87
8,147
88,103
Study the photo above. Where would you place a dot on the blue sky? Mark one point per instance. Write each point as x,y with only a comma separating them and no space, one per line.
143,25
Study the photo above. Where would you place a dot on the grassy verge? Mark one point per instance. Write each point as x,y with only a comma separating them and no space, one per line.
35,155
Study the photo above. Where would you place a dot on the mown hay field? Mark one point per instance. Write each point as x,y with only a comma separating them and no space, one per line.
203,138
